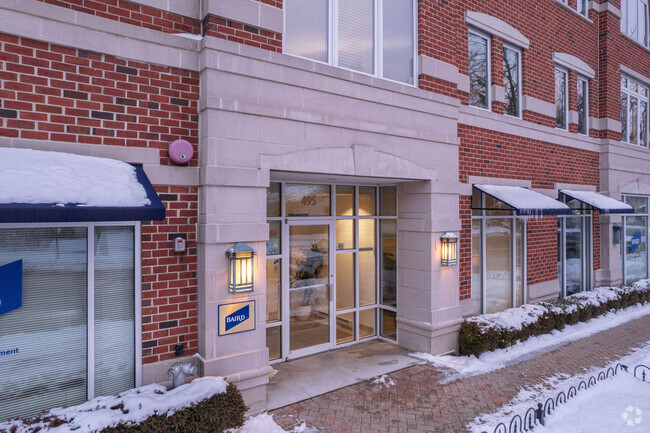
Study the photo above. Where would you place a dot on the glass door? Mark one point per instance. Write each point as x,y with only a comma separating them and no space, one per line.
309,267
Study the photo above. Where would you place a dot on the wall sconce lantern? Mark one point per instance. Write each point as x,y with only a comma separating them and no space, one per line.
240,268
449,256
617,229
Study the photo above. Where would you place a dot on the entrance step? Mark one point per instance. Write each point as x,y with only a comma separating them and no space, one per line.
314,375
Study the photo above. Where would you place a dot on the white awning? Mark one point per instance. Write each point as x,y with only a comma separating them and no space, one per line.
525,201
604,204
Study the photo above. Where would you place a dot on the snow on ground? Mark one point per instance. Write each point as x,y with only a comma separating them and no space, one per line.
34,176
134,406
263,423
618,404
465,366
384,381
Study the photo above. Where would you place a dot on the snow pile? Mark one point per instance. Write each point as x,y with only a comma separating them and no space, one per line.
264,423
384,381
512,318
132,407
604,407
34,176
528,314
457,367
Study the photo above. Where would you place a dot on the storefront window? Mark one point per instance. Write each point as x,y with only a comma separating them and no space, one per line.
635,255
497,255
49,331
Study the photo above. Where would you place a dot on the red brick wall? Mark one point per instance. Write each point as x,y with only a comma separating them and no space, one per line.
50,92
492,154
616,50
242,33
549,26
169,281
134,14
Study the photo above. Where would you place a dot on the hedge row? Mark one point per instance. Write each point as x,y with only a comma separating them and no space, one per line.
499,330
214,414
211,415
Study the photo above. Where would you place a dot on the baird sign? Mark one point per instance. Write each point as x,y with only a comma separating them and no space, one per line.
11,286
235,318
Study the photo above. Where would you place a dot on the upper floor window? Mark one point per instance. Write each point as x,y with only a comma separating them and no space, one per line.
479,70
634,112
583,106
370,36
512,81
561,98
634,20
583,7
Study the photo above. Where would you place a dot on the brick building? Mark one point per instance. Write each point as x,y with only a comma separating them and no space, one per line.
339,139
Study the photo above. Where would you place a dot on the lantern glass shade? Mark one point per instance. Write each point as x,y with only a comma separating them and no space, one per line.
240,268
449,255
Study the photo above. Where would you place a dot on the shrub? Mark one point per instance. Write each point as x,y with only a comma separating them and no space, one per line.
211,415
499,330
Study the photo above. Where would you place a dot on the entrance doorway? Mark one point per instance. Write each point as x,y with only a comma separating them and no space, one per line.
308,287
331,267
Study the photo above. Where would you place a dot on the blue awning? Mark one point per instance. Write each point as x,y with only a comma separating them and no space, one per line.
57,212
592,199
525,201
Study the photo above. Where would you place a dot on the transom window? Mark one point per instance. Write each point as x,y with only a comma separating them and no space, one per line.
634,112
634,20
370,36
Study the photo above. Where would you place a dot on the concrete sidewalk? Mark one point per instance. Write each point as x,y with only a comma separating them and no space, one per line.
419,403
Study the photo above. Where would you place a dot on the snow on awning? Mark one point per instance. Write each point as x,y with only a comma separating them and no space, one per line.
38,186
525,201
604,204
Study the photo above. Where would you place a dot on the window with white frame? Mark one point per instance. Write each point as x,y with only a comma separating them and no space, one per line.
75,334
512,80
583,106
634,20
634,112
371,36
498,242
561,98
479,69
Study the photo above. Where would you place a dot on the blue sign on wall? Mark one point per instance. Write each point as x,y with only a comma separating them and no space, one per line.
635,242
237,317
11,286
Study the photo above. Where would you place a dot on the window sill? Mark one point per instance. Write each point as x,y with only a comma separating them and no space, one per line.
635,41
575,12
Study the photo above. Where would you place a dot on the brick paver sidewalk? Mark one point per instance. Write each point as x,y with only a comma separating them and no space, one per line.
419,403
